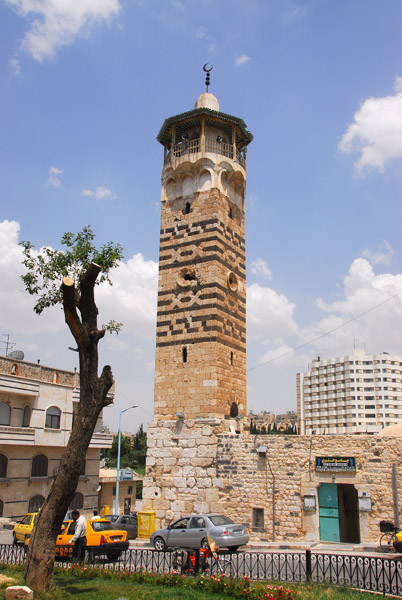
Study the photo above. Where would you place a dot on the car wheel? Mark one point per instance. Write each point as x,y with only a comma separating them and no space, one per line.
159,544
204,543
14,539
233,548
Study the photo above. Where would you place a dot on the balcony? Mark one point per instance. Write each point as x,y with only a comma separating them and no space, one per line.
184,149
24,436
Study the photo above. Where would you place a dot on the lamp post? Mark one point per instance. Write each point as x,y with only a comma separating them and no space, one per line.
116,505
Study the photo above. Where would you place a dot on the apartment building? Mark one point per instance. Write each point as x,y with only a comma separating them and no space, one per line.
360,393
37,407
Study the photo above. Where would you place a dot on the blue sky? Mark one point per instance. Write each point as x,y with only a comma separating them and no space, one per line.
85,88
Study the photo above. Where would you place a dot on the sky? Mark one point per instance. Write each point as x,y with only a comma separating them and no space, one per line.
86,86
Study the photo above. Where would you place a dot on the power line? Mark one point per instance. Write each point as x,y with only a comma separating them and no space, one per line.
326,333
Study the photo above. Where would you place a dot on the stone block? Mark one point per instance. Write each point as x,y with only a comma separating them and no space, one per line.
19,592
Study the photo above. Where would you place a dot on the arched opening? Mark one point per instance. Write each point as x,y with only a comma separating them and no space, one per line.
53,418
35,503
187,185
187,208
14,369
3,466
205,181
5,413
55,377
39,466
234,410
26,416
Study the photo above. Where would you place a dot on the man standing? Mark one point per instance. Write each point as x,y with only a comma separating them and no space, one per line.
80,536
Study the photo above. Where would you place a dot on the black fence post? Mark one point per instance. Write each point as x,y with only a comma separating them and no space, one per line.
308,565
197,563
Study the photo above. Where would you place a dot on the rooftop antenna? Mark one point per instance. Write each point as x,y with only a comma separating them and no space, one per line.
8,344
208,77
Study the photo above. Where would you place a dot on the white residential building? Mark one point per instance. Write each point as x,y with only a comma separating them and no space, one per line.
37,407
361,393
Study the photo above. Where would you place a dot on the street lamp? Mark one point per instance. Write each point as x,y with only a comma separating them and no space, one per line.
116,506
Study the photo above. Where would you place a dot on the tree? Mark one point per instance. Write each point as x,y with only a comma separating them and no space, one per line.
69,278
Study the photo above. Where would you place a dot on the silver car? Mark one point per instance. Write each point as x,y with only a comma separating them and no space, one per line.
193,532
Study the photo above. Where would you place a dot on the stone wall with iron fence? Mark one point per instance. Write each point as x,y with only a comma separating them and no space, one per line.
270,482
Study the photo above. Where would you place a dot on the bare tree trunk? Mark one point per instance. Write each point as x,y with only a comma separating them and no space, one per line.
93,398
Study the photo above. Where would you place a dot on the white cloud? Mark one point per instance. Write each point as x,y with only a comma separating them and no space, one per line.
376,133
269,314
100,193
241,60
56,23
375,298
383,257
54,179
259,267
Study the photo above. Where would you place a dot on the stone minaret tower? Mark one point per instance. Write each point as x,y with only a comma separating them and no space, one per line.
201,323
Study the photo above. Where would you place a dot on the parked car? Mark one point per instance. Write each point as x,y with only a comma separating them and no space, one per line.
193,531
102,539
127,523
23,530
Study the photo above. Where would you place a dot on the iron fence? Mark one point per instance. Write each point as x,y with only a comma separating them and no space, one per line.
370,573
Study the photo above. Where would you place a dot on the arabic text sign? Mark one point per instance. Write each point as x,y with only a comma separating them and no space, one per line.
335,463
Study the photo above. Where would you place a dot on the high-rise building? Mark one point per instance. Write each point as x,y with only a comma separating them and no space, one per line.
360,393
200,365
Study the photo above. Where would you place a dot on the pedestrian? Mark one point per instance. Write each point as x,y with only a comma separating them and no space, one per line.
96,517
80,536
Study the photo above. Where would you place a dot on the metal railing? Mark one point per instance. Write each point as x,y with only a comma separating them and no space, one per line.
370,573
186,147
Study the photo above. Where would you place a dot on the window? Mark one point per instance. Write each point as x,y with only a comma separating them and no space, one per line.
14,369
83,466
77,502
234,410
184,354
53,418
197,523
130,490
35,503
181,524
1,508
39,467
5,412
3,466
258,518
26,416
55,377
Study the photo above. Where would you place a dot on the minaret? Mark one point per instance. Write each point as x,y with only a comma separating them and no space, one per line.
201,322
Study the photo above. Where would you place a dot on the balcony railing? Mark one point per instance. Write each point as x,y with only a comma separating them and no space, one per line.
185,148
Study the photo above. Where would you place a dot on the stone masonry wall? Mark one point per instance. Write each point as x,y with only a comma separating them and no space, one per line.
203,465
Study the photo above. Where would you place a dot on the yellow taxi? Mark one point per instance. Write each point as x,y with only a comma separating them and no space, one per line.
22,530
102,538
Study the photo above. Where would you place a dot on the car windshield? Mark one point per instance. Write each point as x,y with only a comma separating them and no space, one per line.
113,519
220,520
101,525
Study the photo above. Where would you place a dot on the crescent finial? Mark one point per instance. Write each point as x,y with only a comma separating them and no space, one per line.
207,70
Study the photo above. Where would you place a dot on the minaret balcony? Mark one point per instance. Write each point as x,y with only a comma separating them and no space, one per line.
186,150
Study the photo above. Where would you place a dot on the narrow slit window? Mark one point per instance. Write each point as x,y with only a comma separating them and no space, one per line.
184,354
231,358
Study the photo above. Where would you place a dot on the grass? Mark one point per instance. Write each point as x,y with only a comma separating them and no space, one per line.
69,586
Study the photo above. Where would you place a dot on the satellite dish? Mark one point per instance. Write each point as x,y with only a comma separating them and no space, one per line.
98,489
16,354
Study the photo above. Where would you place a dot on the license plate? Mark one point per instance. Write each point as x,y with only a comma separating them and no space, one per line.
115,539
237,531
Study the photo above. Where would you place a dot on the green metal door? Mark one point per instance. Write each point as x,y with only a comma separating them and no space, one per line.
329,512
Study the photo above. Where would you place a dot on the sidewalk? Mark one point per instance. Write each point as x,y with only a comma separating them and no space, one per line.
301,546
